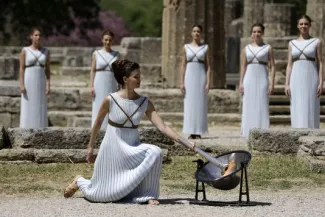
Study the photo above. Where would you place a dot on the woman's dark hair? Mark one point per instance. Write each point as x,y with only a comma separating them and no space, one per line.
123,68
258,25
106,32
304,17
34,29
198,26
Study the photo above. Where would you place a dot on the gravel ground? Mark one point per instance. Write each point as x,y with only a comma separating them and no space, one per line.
281,203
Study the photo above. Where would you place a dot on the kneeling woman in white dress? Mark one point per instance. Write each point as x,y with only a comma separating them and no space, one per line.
254,83
304,78
34,83
125,169
102,79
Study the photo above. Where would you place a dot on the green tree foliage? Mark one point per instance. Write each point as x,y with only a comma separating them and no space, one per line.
144,17
18,16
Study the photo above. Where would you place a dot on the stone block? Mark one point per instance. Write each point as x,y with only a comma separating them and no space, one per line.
275,42
16,155
5,120
58,119
9,104
75,71
15,119
2,136
171,100
131,43
277,19
54,155
73,138
73,61
150,72
61,155
280,141
9,67
63,99
82,122
151,50
66,118
133,55
85,99
9,90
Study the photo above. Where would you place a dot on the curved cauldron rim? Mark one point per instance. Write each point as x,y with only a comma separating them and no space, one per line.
231,174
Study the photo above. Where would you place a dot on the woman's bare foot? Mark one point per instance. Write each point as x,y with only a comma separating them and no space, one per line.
72,188
153,202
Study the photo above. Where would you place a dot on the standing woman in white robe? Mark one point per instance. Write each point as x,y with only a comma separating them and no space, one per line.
254,82
102,81
194,84
125,169
304,77
34,74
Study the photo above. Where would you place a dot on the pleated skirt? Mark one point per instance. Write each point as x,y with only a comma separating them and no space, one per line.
195,100
104,84
125,169
305,105
33,107
255,101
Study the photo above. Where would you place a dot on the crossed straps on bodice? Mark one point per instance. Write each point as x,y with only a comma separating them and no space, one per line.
128,118
36,58
255,57
302,52
195,55
107,62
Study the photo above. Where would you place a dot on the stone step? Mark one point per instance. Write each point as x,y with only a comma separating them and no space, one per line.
280,65
284,100
275,42
53,155
283,141
280,54
285,109
75,98
73,138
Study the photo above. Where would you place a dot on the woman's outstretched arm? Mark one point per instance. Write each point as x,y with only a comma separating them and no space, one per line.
103,110
159,123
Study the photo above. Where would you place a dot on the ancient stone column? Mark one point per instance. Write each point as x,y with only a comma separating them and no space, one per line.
253,13
232,11
316,10
178,18
277,19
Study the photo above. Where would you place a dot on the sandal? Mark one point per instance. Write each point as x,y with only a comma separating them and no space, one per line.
72,188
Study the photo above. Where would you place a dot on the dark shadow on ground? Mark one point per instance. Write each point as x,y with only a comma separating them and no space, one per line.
211,203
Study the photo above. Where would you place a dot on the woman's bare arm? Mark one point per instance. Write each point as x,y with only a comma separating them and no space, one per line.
242,69
272,70
288,71
22,71
208,69
183,68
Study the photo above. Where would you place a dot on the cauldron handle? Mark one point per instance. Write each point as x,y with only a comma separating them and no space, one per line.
202,153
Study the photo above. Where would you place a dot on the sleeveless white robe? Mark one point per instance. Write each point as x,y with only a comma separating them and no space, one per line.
195,100
255,109
33,107
304,80
104,82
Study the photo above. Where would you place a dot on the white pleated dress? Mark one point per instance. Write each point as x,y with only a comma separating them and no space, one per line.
304,80
255,109
195,100
124,169
33,106
104,82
